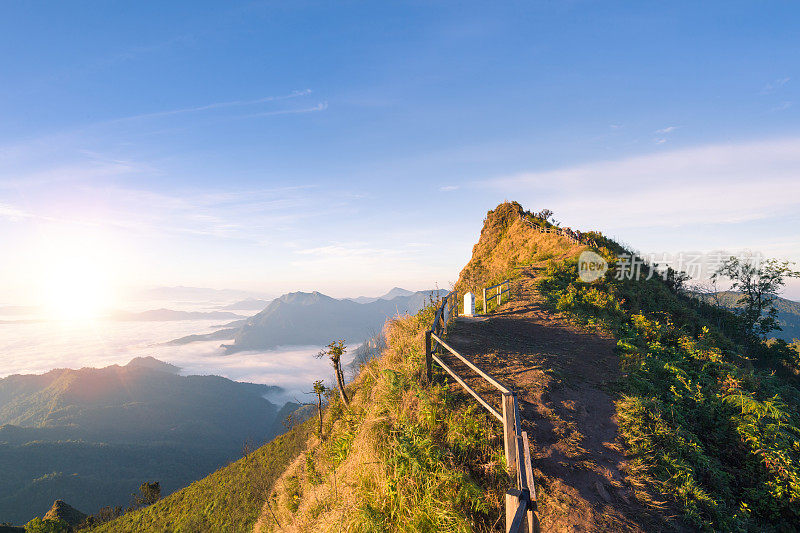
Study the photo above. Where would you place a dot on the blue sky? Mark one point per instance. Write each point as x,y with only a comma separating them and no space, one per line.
353,146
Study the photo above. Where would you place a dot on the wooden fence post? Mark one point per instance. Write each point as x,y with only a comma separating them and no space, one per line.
484,302
428,358
509,431
533,510
512,501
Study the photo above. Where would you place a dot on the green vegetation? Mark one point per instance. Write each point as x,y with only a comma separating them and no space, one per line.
709,415
228,500
47,525
92,436
149,493
401,457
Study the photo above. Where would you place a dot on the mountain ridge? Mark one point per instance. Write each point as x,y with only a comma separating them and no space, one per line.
313,319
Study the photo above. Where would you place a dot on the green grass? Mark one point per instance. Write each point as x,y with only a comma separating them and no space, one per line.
707,430
403,457
228,500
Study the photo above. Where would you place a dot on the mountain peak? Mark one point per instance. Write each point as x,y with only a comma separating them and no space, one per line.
300,297
395,292
61,510
151,363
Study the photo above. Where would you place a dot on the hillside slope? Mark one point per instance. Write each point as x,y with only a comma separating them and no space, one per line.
561,373
706,422
645,416
92,436
506,244
402,457
228,500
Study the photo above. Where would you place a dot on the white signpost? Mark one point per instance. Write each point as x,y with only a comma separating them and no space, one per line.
469,304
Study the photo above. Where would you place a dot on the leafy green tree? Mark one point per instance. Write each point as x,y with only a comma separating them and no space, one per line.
149,493
759,285
105,514
48,525
334,352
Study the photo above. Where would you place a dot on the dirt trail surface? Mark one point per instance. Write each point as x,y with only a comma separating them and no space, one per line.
561,374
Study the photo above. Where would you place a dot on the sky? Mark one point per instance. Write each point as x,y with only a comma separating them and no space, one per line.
350,147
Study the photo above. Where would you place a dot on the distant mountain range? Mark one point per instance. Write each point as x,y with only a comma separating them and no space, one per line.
303,318
92,436
394,293
788,313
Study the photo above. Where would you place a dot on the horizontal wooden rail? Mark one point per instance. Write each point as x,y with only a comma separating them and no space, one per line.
469,389
498,285
498,294
469,363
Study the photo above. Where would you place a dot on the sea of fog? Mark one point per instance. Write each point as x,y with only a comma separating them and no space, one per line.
37,347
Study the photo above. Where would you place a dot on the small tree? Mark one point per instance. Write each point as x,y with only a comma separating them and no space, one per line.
334,352
759,285
319,390
544,214
149,493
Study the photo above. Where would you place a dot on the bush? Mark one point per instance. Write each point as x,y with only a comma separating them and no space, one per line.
47,525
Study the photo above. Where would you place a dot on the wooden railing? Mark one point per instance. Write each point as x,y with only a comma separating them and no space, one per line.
520,499
499,292
575,236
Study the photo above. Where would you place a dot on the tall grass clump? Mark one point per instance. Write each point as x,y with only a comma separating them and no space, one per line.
402,457
715,435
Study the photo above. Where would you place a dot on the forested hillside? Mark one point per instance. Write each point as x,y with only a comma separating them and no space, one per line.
92,436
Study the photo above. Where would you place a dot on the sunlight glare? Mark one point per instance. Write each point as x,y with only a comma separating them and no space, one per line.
75,282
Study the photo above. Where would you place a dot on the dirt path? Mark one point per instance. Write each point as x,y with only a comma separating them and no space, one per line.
561,374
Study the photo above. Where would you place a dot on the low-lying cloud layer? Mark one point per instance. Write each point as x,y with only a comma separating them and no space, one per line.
40,347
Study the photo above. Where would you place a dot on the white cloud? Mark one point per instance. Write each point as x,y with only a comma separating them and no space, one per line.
783,106
322,106
774,85
668,129
345,250
725,183
448,188
13,213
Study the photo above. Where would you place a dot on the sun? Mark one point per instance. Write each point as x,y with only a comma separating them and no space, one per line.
76,291
74,282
